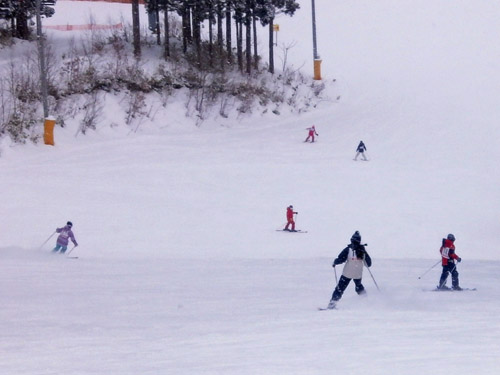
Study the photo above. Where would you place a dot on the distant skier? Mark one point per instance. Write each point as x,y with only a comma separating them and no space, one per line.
361,150
63,239
448,258
355,257
312,133
289,218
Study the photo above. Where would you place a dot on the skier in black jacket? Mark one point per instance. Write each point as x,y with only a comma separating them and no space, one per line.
355,257
361,150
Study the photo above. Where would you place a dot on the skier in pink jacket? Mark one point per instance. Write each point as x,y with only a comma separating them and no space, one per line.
65,234
311,134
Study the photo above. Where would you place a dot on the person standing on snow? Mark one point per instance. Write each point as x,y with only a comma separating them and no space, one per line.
355,257
312,132
361,150
63,239
289,218
448,258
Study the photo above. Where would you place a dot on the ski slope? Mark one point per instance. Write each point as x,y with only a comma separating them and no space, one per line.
180,267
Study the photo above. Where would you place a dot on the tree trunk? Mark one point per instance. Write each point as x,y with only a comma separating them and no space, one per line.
220,35
136,28
158,36
167,36
187,37
248,39
210,36
255,52
239,44
22,29
271,47
197,33
228,34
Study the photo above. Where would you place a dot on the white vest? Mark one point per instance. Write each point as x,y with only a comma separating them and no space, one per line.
353,268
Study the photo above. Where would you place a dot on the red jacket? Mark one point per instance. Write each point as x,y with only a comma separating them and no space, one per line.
289,213
447,251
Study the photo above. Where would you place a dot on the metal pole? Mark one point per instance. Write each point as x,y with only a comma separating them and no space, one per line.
315,46
41,57
317,60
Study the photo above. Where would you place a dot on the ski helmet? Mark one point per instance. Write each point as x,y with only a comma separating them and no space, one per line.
451,237
356,237
69,224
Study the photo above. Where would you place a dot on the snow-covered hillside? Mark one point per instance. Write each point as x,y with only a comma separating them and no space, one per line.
181,269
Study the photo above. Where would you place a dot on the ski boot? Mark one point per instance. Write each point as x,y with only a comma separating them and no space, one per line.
331,304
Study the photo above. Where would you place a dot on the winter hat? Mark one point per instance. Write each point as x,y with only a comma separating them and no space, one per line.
356,237
69,224
451,237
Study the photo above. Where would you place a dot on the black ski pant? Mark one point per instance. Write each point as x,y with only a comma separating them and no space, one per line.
342,285
450,268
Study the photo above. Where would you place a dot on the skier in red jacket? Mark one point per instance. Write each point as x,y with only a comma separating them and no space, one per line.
289,218
312,133
448,256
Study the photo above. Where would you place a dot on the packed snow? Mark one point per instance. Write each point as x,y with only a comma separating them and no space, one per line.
182,267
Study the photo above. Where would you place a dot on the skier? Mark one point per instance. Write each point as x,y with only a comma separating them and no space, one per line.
361,150
312,132
65,235
448,258
355,257
289,218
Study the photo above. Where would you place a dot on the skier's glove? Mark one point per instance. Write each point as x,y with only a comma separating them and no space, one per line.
459,260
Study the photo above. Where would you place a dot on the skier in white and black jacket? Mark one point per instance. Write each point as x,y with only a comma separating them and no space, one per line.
355,257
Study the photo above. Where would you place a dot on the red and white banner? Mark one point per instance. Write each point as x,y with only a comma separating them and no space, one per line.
83,27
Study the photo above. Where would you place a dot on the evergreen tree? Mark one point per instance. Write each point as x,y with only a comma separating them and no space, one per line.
266,11
19,12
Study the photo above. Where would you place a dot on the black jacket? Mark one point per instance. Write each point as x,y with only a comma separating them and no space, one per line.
361,147
360,253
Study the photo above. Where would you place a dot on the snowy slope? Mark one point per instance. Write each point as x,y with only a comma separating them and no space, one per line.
180,267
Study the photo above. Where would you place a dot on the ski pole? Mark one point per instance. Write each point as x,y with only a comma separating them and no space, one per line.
368,268
73,248
425,273
336,280
47,240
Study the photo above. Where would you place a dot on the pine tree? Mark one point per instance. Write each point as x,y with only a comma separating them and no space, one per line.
266,11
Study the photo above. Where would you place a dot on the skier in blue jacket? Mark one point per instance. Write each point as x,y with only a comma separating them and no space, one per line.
360,150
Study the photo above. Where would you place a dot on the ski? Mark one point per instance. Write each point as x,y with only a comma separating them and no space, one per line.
291,231
325,308
72,257
451,290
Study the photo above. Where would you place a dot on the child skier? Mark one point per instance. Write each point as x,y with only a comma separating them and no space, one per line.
448,258
63,239
289,218
361,150
312,132
355,257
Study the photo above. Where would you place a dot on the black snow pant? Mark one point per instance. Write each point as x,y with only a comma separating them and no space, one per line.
450,268
342,285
